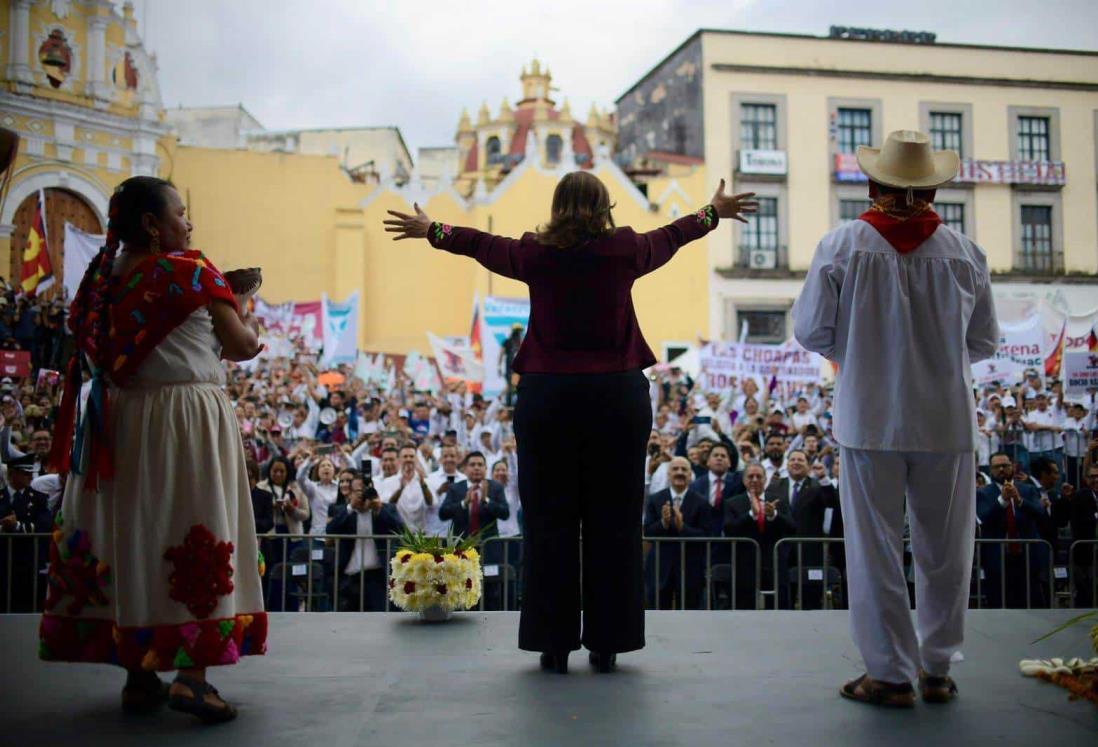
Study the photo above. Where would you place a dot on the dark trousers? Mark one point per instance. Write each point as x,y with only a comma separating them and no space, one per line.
582,474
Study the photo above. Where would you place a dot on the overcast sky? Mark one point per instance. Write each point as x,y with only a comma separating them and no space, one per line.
415,64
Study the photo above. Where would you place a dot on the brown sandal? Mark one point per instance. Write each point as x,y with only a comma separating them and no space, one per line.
885,694
937,689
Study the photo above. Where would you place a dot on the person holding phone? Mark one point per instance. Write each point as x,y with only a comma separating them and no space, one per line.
365,516
584,349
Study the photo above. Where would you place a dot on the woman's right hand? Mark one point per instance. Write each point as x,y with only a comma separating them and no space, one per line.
733,206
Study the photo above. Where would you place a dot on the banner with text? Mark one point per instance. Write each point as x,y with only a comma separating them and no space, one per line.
1080,371
723,362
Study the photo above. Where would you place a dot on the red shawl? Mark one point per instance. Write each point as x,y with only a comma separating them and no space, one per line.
145,306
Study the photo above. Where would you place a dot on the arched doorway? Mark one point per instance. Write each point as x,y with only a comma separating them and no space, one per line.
62,206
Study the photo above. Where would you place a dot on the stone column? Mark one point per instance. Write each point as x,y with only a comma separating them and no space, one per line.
19,69
96,85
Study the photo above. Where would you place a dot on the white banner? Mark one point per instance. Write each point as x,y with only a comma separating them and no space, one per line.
722,362
80,250
499,316
339,322
454,361
1024,343
1080,371
1004,371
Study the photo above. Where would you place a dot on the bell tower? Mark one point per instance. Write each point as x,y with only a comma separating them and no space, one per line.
535,84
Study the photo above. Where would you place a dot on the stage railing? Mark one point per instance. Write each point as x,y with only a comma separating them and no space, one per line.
308,572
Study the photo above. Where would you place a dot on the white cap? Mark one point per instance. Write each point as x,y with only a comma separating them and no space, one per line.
1008,401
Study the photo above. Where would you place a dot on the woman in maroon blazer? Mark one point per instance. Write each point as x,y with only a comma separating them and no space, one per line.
583,353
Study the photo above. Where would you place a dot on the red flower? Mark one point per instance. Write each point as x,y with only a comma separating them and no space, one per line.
441,588
392,583
203,571
468,583
405,558
409,587
438,559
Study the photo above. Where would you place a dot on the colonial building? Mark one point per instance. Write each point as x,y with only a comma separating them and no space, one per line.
81,91
782,115
533,129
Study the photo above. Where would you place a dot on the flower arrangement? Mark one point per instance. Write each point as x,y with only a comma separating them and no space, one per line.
435,574
1078,676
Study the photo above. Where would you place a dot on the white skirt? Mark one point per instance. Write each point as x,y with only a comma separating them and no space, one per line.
159,568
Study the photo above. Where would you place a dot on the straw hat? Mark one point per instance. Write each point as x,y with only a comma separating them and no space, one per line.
907,162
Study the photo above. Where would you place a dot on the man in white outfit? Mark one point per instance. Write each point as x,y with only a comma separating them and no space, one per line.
903,304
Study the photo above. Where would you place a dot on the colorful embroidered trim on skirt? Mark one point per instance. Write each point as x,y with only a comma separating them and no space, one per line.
200,643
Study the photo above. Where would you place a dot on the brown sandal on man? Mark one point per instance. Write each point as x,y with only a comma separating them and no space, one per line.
884,694
937,689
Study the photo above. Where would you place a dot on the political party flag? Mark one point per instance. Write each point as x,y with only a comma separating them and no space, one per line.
37,273
340,327
1092,340
475,344
456,362
80,249
1055,358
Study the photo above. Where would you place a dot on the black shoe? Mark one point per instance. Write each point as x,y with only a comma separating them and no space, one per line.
555,661
603,662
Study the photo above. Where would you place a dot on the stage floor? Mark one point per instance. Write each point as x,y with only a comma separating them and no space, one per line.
705,678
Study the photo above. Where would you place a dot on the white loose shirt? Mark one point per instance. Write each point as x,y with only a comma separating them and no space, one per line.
904,329
1042,440
412,506
434,525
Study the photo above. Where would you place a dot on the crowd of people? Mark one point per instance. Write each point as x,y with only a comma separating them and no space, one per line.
330,455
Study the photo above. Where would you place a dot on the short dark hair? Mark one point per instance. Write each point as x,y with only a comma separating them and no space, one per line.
1041,466
409,445
1002,454
802,452
775,434
390,449
472,454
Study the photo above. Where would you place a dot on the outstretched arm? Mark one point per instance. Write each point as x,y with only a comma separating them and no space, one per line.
501,255
656,248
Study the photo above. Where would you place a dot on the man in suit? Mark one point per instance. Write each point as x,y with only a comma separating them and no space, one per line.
1044,475
817,513
789,489
750,515
364,560
23,511
718,484
477,505
676,511
1080,510
1011,510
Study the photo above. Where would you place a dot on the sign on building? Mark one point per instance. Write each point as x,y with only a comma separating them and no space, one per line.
767,162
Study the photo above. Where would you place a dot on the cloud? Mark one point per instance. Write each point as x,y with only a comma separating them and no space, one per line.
417,64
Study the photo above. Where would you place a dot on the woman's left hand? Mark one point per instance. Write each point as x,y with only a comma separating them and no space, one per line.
408,226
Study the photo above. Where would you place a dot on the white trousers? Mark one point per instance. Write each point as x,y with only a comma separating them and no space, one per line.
940,489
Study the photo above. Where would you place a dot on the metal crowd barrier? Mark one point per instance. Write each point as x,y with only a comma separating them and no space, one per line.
306,572
812,573
1084,594
979,571
712,579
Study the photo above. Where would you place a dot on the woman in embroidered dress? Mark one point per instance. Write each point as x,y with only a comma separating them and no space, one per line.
154,564
583,348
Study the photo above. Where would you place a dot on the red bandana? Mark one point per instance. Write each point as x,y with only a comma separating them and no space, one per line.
904,235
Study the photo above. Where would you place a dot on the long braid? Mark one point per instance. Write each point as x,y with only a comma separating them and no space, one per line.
90,322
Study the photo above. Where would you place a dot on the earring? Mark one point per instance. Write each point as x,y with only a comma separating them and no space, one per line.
154,243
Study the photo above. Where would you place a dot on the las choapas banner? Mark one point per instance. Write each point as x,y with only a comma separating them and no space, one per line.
723,362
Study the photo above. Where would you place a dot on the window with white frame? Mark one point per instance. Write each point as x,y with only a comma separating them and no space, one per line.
1033,139
952,214
946,131
758,126
853,127
1038,252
